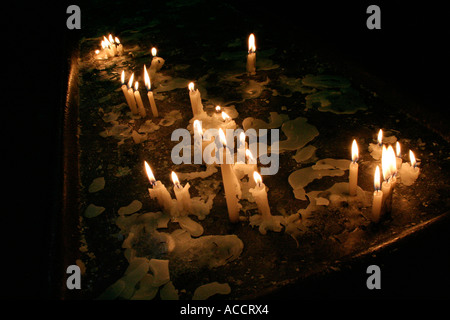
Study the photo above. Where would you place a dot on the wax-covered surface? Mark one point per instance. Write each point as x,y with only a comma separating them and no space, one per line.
334,228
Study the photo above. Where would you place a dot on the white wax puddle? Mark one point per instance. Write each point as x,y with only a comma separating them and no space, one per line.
298,132
92,211
133,207
306,154
299,179
205,291
97,185
275,223
275,121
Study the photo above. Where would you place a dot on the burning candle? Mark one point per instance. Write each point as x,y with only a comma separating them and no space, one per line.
377,197
196,100
409,172
230,183
157,62
158,190
376,149
399,155
388,166
198,142
125,90
251,58
182,194
259,192
150,97
133,106
112,45
138,98
225,116
119,46
353,174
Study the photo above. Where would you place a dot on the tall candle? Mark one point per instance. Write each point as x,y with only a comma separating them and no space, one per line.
158,191
150,97
230,183
251,58
196,100
125,90
138,98
133,106
388,166
198,142
377,197
353,174
112,45
259,193
182,194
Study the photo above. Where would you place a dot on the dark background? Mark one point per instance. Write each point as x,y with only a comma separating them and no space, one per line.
409,53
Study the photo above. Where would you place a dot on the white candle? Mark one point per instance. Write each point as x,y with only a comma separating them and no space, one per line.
409,172
150,97
230,183
138,98
133,106
376,149
251,58
157,62
389,168
353,174
198,142
182,195
119,46
158,191
377,197
196,100
112,45
259,193
125,90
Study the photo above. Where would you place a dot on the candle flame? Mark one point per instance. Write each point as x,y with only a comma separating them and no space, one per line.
257,177
376,180
242,138
110,39
130,82
218,108
412,159
136,86
388,163
122,77
380,137
104,45
150,175
198,126
97,51
191,86
175,180
249,154
116,40
106,41
355,152
154,51
251,43
397,149
222,137
147,79
225,117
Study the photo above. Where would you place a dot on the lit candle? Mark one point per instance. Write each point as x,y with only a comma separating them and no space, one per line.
259,193
377,197
399,155
182,194
112,45
225,116
157,62
119,46
409,172
230,183
124,90
388,166
158,190
196,100
150,97
353,174
376,149
138,98
133,106
251,58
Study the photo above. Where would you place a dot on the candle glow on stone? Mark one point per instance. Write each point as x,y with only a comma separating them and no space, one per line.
353,174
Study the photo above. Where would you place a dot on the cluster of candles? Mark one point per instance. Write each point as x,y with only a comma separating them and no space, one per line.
110,47
391,162
131,90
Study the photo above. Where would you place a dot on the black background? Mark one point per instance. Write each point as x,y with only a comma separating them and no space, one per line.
409,52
